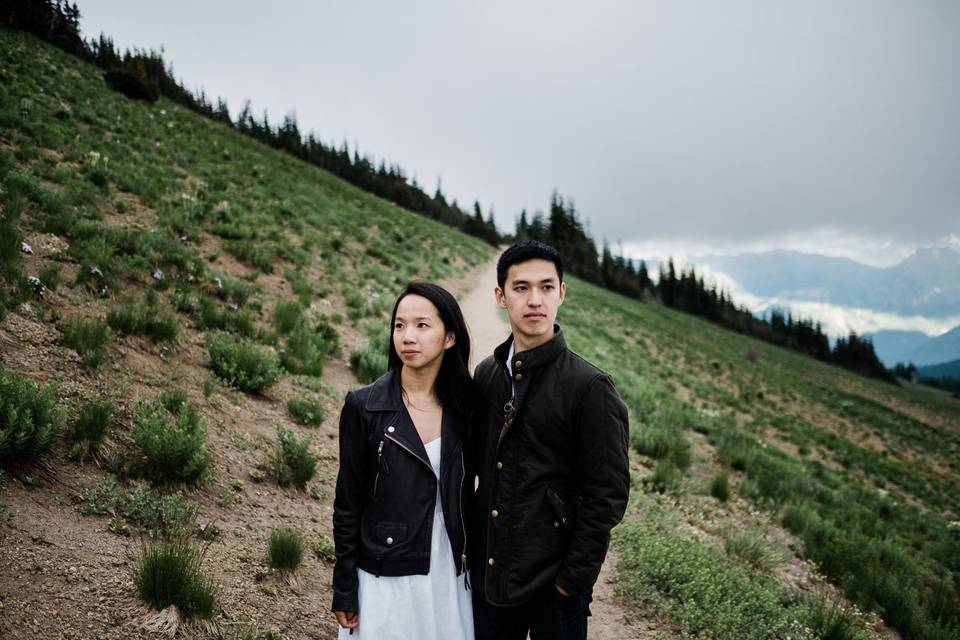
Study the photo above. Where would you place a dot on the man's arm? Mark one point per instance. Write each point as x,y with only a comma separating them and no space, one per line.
603,484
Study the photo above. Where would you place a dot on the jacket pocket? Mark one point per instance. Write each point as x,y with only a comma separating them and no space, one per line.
564,517
391,534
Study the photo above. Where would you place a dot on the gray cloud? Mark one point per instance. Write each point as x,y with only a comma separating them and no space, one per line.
717,124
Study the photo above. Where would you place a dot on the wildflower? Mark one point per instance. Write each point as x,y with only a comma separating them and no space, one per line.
94,270
26,248
157,274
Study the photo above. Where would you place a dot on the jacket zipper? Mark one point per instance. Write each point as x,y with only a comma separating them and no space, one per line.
376,479
463,522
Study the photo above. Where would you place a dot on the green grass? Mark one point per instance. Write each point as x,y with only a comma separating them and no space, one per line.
158,515
306,411
293,462
95,421
285,549
241,363
30,419
860,536
168,572
171,445
87,338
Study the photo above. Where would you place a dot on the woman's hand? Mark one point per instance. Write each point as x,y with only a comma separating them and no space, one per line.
347,619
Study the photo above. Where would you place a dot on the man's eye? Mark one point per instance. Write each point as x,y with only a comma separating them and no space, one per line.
548,287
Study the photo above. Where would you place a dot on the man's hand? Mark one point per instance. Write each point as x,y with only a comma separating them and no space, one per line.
561,590
347,619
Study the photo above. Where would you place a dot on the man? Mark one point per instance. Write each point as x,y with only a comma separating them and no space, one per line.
550,452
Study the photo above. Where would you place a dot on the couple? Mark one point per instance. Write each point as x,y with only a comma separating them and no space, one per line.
517,475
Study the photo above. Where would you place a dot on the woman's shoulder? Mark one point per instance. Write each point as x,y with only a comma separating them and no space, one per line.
378,392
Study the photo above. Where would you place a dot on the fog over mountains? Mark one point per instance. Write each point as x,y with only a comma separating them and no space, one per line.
911,309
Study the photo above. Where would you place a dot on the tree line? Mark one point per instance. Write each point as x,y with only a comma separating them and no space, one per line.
687,291
146,75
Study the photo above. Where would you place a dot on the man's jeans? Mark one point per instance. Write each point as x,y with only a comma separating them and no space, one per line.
549,616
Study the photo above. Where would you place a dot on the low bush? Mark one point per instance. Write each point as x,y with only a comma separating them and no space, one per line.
306,411
140,320
212,316
752,549
30,419
87,338
286,316
171,447
720,487
168,572
370,363
662,436
285,549
325,550
666,477
243,364
158,515
307,348
95,421
293,462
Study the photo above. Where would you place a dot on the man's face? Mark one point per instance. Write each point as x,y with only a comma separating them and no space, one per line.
532,294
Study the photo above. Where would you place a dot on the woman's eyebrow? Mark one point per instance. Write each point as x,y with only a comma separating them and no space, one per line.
403,318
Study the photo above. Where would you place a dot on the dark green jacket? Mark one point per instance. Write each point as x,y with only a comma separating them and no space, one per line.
553,472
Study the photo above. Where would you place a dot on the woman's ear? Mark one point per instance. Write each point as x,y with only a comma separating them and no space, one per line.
450,340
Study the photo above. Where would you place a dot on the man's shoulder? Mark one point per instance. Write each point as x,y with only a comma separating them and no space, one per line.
581,370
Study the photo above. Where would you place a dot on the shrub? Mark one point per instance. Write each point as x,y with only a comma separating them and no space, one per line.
666,476
245,365
168,572
720,487
286,316
750,548
139,320
170,450
96,419
308,346
325,550
829,622
210,315
167,516
29,418
293,462
87,338
662,436
285,550
306,411
370,363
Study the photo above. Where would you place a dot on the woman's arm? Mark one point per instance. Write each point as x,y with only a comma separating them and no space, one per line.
348,505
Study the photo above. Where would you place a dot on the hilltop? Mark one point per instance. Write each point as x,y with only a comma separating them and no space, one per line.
771,492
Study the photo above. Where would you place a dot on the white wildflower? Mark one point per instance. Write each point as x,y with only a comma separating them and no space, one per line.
95,271
157,274
26,248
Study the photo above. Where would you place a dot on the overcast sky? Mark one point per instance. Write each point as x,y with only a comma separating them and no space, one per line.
675,126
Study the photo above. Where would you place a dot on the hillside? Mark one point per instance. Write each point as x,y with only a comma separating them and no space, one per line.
771,493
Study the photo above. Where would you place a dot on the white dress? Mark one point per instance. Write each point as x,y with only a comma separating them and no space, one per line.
436,606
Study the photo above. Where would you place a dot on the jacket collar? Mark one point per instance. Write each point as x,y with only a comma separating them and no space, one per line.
385,393
535,357
387,396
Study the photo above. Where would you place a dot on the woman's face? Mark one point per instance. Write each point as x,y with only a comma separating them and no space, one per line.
419,336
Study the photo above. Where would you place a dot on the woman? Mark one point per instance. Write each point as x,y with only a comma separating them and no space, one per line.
398,521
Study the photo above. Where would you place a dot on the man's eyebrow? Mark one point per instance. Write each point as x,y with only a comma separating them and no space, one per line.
549,280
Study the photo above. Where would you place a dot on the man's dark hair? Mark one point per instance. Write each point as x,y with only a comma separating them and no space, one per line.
527,250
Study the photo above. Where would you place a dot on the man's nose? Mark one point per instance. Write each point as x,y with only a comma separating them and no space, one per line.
535,299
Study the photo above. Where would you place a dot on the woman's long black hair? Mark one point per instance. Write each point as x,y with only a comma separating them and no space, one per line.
454,386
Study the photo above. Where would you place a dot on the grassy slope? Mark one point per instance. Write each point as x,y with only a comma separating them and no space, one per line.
866,473
871,460
128,188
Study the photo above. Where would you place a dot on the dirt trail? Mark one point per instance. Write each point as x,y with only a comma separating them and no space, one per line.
488,328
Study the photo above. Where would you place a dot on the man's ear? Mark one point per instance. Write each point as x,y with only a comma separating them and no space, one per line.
563,293
450,340
501,299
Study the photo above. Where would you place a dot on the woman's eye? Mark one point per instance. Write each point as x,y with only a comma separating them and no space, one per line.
423,325
397,326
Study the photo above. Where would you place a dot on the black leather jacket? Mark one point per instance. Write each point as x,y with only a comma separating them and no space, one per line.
386,490
553,471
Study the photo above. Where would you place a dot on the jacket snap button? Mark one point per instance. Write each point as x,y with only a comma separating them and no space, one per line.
390,429
519,376
389,540
494,513
555,524
491,562
499,465
518,363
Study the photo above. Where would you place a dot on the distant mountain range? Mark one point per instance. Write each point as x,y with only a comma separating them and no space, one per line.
925,284
912,346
